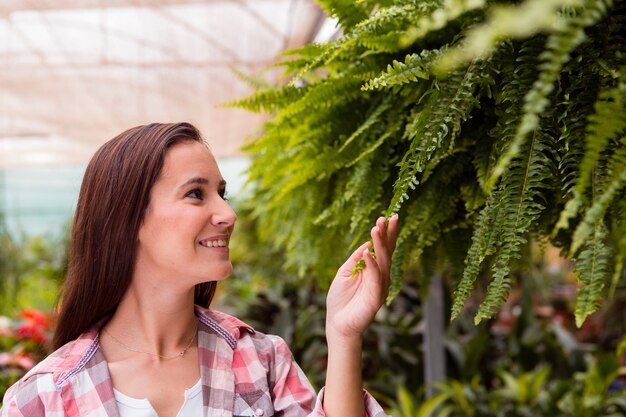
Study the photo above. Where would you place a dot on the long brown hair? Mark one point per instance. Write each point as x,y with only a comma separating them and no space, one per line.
113,198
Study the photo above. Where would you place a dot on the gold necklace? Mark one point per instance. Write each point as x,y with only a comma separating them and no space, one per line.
178,355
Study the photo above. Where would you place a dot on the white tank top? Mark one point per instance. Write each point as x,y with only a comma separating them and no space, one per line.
135,407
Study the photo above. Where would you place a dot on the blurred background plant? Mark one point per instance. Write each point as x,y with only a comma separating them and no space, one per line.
31,270
529,394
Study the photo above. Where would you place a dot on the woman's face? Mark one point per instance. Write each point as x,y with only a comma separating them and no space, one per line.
184,237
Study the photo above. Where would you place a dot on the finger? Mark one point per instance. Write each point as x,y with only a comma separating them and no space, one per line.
392,233
380,249
375,280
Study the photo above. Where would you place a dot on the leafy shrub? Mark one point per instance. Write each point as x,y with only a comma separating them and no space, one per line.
528,394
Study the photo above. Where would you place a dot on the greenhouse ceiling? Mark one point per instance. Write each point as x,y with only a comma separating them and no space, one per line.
74,73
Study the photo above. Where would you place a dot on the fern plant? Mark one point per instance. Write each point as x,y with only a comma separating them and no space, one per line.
485,124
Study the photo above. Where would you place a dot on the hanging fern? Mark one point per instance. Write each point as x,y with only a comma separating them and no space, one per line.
504,120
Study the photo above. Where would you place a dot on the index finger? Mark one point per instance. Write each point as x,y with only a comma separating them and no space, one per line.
392,232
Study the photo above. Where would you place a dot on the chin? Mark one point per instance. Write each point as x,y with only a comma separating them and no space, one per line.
219,274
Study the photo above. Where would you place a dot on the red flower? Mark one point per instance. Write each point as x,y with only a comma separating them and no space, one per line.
34,326
35,316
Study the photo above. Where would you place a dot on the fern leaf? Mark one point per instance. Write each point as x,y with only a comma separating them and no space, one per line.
592,268
253,81
483,244
558,49
608,121
596,212
325,94
268,100
348,12
438,19
520,190
394,126
518,21
372,119
435,128
414,67
329,52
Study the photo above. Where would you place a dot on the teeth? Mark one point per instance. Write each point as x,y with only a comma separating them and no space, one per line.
214,243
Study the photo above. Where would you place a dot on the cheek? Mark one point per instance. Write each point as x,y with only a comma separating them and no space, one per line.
160,225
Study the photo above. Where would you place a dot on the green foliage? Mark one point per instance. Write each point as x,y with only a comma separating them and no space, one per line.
483,123
523,395
31,270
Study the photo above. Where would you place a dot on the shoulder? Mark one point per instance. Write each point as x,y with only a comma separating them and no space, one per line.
40,388
34,395
69,358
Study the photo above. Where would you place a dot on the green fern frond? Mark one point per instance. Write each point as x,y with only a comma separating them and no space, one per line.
572,120
349,192
438,18
510,209
432,212
592,266
393,129
558,48
608,121
434,129
619,231
521,187
327,94
415,67
385,29
296,59
253,81
329,53
605,124
483,244
268,100
348,12
397,272
389,42
369,202
374,117
596,212
308,51
505,21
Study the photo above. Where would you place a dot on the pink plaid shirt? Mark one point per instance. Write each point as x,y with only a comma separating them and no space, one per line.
243,373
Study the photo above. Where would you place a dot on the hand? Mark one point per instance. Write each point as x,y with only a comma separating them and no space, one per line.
352,302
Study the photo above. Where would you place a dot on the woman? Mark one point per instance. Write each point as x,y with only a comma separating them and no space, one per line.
135,336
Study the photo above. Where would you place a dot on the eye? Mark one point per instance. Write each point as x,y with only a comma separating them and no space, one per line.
222,193
195,193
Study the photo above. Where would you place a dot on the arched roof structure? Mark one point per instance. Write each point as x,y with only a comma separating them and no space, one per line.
74,73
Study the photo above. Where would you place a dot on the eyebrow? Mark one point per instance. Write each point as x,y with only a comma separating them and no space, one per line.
202,181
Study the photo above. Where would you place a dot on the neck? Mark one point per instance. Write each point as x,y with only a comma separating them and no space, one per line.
155,321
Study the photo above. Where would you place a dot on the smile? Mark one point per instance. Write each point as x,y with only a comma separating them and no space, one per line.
218,243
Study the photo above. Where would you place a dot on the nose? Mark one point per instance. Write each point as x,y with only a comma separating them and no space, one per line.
224,216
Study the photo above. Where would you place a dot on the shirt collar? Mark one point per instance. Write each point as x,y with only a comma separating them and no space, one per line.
225,325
